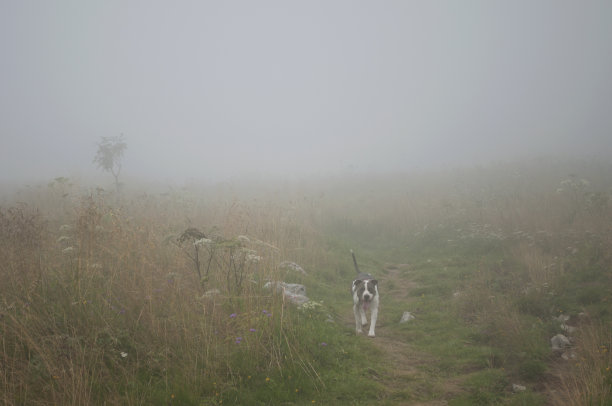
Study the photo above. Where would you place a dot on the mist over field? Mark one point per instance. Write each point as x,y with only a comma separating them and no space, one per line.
218,90
182,186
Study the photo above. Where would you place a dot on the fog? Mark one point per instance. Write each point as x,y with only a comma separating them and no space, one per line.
211,90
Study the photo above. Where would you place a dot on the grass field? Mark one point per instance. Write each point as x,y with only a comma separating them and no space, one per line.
109,300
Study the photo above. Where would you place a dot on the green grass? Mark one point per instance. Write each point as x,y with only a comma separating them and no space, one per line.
485,387
84,282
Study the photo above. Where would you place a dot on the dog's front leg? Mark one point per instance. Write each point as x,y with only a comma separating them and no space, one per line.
356,309
362,313
373,317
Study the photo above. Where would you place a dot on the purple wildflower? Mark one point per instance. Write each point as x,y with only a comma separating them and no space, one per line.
232,315
323,344
252,330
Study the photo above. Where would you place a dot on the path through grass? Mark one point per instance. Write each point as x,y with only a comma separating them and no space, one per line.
101,303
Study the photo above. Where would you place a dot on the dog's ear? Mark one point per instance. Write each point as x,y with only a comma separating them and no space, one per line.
374,282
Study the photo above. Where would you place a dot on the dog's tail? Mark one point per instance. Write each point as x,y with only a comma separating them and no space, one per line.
355,262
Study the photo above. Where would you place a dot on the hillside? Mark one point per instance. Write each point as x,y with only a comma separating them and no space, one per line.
161,298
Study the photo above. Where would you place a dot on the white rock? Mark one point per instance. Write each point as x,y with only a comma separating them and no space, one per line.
294,292
406,317
294,288
568,329
559,341
568,355
297,299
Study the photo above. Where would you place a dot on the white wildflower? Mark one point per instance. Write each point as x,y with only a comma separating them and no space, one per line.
310,305
244,254
292,266
243,238
63,239
124,354
253,258
202,241
68,250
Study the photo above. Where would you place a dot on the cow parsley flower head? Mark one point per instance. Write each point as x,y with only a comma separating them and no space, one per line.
63,238
202,242
243,239
253,258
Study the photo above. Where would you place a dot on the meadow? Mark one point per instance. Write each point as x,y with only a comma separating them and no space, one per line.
158,297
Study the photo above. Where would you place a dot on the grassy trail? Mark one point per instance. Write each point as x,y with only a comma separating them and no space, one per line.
106,304
405,377
406,363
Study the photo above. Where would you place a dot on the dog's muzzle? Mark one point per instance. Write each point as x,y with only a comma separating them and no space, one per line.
367,299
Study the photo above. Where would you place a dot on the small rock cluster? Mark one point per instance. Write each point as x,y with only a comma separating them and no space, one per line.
294,292
406,317
561,342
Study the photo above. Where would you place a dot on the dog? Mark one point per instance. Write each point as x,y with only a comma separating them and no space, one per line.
365,296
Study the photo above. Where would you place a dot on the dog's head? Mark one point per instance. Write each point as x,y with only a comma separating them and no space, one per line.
365,289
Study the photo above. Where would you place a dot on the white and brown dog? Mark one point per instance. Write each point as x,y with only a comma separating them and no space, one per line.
365,296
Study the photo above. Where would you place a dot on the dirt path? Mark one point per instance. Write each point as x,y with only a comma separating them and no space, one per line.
405,380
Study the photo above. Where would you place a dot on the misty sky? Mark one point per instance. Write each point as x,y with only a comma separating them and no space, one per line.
205,89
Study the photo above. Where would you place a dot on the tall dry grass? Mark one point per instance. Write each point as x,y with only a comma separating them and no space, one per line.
102,303
588,381
84,281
